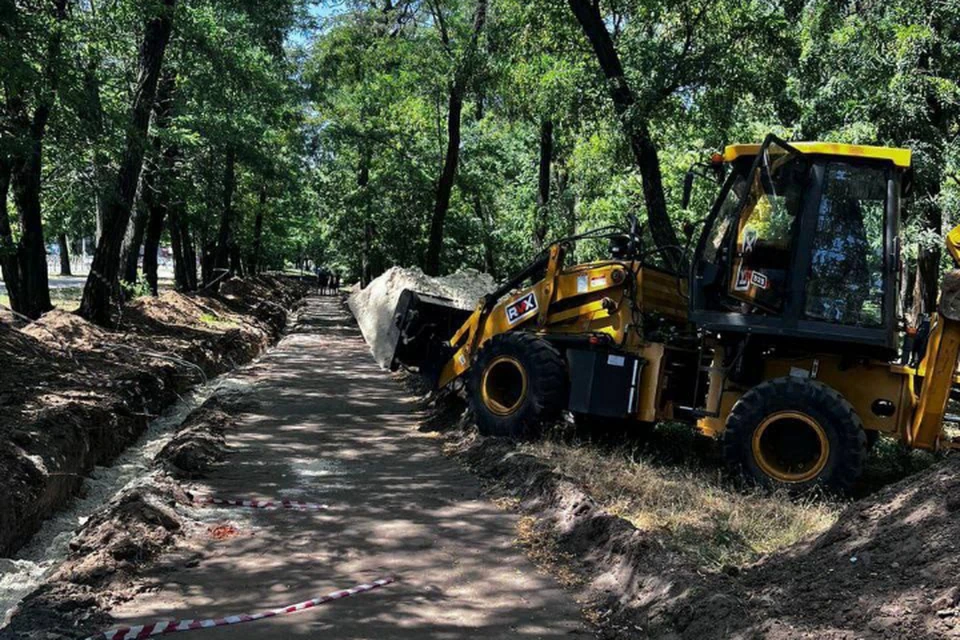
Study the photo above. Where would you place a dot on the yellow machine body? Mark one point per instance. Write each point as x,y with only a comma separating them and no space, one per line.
589,298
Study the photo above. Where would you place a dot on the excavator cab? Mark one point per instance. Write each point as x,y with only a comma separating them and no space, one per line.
802,245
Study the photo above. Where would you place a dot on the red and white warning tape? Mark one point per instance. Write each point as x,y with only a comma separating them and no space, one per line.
163,628
262,504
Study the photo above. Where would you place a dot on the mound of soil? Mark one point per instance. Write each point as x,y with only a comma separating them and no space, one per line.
105,559
74,395
195,450
66,329
888,568
200,442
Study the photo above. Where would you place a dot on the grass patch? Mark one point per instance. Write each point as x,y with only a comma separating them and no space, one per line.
890,461
214,321
67,298
692,508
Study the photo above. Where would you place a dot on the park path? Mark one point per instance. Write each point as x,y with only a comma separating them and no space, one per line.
330,426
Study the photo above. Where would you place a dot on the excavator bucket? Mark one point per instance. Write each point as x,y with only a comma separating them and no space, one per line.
426,323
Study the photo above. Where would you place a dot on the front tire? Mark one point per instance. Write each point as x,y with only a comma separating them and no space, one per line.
517,384
795,434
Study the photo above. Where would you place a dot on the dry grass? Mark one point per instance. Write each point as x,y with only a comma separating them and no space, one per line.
542,547
695,510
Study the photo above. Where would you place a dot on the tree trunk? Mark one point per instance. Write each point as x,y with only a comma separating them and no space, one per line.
569,201
184,270
594,28
225,235
156,212
928,259
102,285
27,166
32,250
489,263
157,192
208,256
64,255
133,238
445,185
452,158
236,262
541,223
92,114
190,256
258,231
366,246
9,265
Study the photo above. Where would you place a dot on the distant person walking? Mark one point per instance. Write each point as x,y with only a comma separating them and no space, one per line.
322,280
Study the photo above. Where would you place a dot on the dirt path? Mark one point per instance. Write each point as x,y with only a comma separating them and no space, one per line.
329,426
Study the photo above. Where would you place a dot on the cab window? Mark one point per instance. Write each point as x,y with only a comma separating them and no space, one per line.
845,284
766,230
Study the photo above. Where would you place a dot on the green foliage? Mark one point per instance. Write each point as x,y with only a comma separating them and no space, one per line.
137,289
336,113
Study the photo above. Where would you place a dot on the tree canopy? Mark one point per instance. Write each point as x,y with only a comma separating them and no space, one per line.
444,134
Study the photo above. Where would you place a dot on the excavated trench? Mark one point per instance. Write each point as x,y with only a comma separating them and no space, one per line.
49,546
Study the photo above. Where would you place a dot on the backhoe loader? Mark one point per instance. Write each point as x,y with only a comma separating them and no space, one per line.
781,337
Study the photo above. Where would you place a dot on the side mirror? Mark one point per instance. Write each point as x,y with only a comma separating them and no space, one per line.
687,189
688,229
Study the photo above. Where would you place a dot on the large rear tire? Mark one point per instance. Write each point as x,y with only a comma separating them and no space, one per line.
795,434
518,383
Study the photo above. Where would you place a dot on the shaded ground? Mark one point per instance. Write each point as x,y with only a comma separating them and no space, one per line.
325,424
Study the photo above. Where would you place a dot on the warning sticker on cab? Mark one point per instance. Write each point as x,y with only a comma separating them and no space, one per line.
759,280
742,282
747,278
583,283
522,308
598,281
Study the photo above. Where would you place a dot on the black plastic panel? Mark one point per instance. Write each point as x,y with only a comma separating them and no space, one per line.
603,383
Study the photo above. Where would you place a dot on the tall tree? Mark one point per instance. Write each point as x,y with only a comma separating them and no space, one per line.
157,191
103,283
463,74
543,184
258,231
29,106
225,233
636,126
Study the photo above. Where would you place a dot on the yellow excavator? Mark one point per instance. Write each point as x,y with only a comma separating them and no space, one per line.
781,338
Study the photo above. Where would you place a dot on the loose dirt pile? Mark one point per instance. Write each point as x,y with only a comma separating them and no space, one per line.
104,562
74,395
199,445
374,306
888,568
